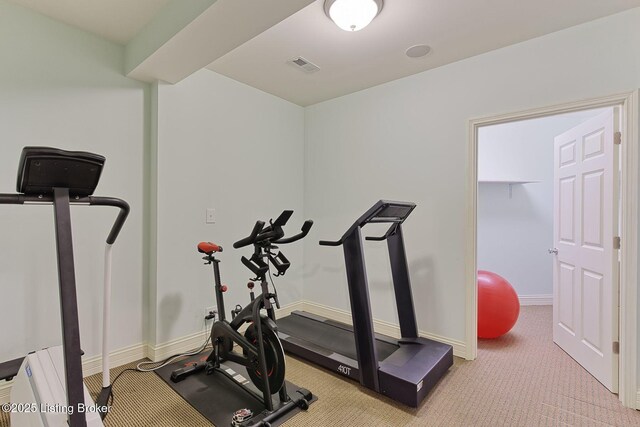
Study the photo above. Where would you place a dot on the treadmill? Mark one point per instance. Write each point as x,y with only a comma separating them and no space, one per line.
404,369
53,376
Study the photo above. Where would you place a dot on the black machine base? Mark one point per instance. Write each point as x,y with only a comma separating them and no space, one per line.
408,370
217,398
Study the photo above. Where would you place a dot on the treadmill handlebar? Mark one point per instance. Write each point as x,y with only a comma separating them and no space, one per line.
20,199
376,214
330,243
122,215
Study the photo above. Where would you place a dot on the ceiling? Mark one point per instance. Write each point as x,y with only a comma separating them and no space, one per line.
455,29
115,20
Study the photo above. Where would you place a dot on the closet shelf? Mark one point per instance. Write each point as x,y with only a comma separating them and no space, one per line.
509,182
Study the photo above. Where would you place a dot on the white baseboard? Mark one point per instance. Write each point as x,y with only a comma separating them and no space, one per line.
176,346
380,326
92,365
638,400
286,310
536,299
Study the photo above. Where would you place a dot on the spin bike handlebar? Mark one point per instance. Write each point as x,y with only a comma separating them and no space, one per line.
305,230
273,233
251,238
264,239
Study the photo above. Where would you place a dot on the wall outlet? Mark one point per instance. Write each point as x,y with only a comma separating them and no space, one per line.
211,216
208,311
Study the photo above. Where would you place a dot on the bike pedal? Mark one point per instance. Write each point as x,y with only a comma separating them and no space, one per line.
241,416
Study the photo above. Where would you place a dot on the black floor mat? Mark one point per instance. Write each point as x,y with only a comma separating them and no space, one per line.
217,397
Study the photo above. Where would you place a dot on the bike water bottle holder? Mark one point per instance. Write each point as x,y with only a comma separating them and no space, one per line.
280,262
256,265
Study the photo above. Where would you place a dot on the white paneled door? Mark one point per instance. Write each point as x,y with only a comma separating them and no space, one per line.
585,272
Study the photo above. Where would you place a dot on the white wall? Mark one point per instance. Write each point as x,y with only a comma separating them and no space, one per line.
62,87
408,139
212,136
222,145
515,232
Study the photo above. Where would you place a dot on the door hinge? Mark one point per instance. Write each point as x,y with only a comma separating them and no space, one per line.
617,138
616,347
616,242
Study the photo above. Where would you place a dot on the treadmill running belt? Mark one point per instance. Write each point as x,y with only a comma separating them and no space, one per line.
329,337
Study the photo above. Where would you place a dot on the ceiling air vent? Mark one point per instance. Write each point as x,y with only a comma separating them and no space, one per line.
304,65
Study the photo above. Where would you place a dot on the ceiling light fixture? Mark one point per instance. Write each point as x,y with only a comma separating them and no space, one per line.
352,15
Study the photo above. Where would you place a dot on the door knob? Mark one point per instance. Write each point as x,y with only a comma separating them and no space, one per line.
553,251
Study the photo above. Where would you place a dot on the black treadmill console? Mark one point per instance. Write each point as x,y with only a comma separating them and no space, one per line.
394,211
387,211
384,211
43,168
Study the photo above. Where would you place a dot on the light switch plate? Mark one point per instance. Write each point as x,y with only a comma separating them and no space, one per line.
211,216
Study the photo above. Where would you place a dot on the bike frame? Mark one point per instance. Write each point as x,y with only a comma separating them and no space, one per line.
251,313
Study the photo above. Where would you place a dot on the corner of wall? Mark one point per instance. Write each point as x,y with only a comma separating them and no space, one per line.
305,185
150,239
305,140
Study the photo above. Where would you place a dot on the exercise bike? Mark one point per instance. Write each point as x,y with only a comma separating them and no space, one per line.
261,351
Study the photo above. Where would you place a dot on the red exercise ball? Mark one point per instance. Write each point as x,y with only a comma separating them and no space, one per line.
498,305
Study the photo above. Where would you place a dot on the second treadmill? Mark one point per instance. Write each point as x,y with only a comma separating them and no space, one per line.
404,369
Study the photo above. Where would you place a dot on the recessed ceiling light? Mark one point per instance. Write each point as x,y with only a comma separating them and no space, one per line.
418,51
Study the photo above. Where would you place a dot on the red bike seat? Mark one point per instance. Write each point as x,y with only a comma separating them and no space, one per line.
208,248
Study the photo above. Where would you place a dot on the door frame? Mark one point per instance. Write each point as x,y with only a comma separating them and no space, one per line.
629,191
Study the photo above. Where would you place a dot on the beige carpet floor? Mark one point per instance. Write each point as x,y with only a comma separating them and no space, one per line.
521,379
